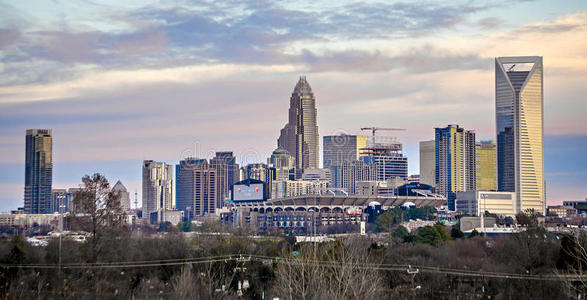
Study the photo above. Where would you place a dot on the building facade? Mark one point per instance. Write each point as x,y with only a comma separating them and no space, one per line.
520,131
347,174
454,162
157,187
341,148
427,162
59,200
124,195
385,153
196,188
477,202
300,135
38,178
227,173
290,188
486,164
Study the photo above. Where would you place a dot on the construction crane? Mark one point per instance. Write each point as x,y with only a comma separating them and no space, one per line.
374,129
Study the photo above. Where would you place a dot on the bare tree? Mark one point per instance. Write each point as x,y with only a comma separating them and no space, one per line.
97,210
575,252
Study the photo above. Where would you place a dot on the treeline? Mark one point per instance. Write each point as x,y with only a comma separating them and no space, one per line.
127,265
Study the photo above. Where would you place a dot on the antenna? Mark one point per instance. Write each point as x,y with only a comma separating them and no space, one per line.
511,68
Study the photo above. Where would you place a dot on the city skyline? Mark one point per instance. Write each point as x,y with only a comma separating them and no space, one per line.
353,86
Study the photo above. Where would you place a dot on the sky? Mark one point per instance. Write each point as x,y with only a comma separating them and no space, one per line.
124,81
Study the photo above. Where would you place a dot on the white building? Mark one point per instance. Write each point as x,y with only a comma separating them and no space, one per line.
477,202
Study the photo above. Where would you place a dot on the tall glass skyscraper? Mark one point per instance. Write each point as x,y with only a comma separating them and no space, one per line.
486,164
455,162
519,124
337,149
300,135
38,171
196,187
227,174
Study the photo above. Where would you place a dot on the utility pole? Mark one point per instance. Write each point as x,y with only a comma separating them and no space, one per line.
413,273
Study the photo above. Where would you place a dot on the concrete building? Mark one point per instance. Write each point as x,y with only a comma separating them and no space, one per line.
337,149
317,174
300,135
427,162
157,187
345,175
477,202
455,162
227,173
38,178
164,215
520,129
196,188
290,188
124,195
561,211
486,163
385,153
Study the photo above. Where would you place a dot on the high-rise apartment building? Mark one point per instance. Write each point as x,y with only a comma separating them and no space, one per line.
455,162
385,153
227,174
157,187
427,162
38,171
486,163
124,195
300,135
346,174
520,131
341,148
196,187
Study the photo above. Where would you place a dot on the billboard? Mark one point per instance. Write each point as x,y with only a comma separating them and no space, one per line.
242,192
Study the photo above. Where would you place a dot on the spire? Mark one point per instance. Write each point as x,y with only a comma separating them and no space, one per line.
303,87
119,187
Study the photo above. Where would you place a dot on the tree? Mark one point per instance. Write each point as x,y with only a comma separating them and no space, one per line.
428,235
97,210
456,233
400,233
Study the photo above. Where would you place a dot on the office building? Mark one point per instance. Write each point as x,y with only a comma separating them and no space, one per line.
38,171
384,152
196,188
281,158
341,148
519,127
227,173
290,188
455,162
317,174
477,202
300,135
124,195
157,187
486,177
346,175
427,162
59,200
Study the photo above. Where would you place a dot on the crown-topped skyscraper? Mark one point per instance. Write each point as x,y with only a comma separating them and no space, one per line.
300,135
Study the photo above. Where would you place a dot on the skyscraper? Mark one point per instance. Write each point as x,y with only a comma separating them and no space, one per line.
455,162
385,152
38,171
59,200
341,148
300,135
157,187
486,162
427,162
196,187
519,126
227,174
346,174
124,195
